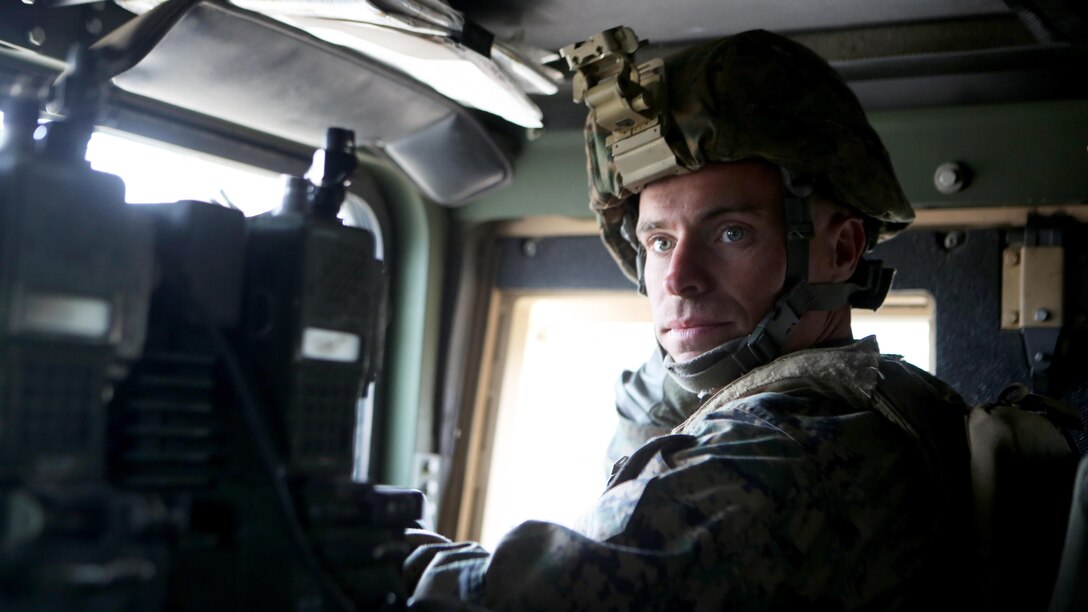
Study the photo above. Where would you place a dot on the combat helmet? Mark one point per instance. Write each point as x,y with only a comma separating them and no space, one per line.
754,95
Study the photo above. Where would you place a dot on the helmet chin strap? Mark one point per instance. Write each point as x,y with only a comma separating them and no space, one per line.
627,230
725,363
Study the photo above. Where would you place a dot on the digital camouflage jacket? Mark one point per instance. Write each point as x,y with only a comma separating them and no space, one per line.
830,478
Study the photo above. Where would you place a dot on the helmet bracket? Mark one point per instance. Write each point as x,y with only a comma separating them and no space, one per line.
628,102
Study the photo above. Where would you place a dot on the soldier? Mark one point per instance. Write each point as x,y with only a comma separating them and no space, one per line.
739,184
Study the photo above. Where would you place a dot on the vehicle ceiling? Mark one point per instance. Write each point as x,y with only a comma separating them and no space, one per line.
550,24
895,53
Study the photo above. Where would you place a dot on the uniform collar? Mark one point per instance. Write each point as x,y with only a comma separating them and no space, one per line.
850,371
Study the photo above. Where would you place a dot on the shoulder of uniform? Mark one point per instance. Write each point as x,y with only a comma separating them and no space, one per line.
902,379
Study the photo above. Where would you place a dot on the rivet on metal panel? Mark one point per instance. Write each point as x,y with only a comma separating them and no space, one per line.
951,177
36,36
953,240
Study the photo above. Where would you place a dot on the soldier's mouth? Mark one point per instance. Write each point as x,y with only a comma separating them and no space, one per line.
688,339
694,332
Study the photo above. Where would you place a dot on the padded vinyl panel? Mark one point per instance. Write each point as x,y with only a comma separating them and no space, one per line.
255,72
441,152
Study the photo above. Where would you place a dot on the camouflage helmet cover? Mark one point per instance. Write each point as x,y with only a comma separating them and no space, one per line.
757,95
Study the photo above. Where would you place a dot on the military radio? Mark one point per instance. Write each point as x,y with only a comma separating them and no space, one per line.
179,385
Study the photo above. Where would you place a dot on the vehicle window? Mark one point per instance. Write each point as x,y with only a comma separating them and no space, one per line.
904,325
156,172
555,414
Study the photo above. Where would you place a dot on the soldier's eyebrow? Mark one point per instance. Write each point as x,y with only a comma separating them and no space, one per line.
709,215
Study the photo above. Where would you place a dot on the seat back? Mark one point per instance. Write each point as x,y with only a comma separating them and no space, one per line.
1022,473
1071,589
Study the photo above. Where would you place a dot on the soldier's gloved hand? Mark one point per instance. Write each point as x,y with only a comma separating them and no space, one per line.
420,537
414,564
449,572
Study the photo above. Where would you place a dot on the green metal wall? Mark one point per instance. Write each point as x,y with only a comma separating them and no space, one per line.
1032,153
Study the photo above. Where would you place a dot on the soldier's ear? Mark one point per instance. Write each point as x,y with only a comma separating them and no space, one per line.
849,244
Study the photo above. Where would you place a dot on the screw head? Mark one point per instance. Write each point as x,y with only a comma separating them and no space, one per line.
953,240
1042,314
36,36
1012,317
530,247
950,178
1012,258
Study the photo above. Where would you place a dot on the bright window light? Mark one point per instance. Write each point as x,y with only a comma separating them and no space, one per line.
155,173
905,325
557,407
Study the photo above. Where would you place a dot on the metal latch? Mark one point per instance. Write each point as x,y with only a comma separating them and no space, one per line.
1031,287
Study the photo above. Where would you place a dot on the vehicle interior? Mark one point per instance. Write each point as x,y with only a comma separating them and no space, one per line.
491,324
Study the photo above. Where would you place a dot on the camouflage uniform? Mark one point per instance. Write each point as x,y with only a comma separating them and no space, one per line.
649,403
803,483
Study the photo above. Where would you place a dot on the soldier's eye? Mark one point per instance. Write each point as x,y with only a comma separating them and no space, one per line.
660,244
734,234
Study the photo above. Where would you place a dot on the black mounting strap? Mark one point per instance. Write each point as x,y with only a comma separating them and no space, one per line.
1041,343
475,37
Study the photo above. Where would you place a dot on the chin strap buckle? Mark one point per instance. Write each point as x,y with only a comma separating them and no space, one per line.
869,284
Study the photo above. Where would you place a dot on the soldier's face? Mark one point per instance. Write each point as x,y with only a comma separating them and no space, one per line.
715,253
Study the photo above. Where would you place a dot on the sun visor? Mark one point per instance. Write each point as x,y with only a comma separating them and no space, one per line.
256,72
431,150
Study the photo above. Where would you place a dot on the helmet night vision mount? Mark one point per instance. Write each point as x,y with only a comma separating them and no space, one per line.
627,101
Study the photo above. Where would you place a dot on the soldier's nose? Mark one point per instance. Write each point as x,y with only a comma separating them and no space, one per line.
687,273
